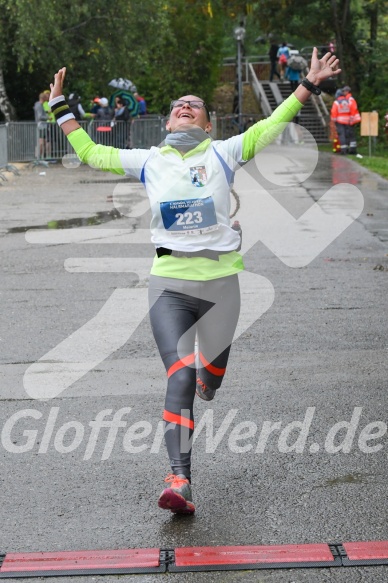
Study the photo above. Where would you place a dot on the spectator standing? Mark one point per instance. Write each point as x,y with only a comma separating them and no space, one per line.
283,55
121,127
104,112
293,77
340,115
51,128
75,106
273,57
104,115
46,107
41,118
94,106
354,119
142,103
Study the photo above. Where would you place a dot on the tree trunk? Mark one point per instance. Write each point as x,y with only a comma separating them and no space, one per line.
338,37
6,106
374,18
373,13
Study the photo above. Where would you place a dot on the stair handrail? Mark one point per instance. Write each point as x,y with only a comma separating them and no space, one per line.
259,92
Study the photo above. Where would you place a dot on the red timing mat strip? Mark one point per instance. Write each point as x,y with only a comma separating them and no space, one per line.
78,560
365,551
227,558
194,556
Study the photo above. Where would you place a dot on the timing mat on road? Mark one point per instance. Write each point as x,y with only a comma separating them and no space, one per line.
185,559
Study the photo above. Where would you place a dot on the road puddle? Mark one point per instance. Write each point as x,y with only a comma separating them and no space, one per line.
97,219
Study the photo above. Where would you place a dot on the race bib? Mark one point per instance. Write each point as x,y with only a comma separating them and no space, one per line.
189,217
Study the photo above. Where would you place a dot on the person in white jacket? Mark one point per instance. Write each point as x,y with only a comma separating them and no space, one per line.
194,288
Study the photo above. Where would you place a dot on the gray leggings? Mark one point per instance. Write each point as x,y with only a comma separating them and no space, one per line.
180,311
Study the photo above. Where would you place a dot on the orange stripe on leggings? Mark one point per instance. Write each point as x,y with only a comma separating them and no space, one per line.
185,361
174,418
218,372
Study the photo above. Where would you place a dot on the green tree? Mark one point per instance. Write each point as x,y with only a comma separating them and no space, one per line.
166,47
359,28
173,47
189,59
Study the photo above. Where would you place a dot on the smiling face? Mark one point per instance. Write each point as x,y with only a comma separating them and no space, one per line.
188,116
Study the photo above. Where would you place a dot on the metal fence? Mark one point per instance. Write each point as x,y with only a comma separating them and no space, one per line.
26,142
260,65
29,141
232,125
3,146
148,131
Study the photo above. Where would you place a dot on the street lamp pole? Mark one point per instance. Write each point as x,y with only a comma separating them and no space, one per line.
239,34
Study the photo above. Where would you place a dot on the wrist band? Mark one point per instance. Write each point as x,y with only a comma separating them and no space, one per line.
61,110
311,87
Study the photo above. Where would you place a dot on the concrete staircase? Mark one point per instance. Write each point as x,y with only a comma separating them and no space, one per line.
314,115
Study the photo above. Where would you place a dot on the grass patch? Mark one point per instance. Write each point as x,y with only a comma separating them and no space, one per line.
378,162
325,148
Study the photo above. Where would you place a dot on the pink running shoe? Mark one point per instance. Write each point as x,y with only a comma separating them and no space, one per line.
177,497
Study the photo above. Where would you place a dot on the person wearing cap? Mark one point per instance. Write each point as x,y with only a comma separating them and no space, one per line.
103,118
340,115
104,112
354,119
94,105
193,287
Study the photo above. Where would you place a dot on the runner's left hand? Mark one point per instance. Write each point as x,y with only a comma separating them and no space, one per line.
321,69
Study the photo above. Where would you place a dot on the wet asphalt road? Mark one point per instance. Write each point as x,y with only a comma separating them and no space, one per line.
318,354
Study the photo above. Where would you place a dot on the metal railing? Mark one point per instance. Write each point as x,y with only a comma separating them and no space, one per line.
260,65
29,141
259,92
148,131
228,125
3,146
25,142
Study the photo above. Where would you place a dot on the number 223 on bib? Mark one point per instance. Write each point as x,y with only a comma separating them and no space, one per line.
190,217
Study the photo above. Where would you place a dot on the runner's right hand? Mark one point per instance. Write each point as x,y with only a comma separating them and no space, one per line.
57,86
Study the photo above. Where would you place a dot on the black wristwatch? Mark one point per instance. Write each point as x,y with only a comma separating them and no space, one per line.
313,88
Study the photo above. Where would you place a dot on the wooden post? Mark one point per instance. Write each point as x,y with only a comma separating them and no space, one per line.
369,126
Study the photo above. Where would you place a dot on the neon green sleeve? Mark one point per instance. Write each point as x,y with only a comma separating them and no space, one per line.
265,131
100,157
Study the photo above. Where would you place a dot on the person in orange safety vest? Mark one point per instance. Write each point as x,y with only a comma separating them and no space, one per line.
355,118
340,115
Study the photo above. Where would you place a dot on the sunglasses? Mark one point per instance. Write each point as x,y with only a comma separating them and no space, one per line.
182,102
